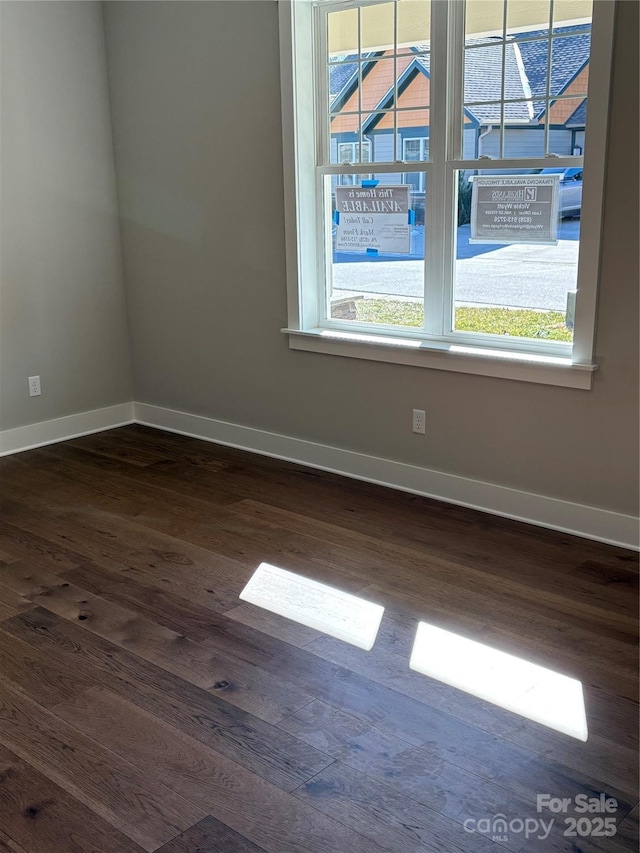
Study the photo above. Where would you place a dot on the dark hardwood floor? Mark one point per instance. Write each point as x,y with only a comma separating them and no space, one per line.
143,706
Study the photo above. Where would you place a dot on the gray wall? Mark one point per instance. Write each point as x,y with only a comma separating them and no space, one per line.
62,303
195,99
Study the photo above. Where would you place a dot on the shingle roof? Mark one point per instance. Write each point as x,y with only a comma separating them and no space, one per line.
568,56
340,74
483,82
579,117
525,73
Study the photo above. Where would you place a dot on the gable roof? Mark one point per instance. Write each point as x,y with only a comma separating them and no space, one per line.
525,74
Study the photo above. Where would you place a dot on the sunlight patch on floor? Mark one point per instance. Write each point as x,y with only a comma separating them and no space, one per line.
316,605
532,691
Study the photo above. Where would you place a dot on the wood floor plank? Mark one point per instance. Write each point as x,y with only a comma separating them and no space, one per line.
492,600
267,751
158,475
453,740
39,676
629,829
153,558
408,717
245,684
386,816
11,604
275,820
273,625
422,776
121,446
40,817
136,803
8,845
186,618
612,764
210,836
24,545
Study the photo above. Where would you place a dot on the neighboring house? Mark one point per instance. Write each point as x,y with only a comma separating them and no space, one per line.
361,108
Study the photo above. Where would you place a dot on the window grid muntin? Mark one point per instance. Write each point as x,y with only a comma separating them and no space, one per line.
390,110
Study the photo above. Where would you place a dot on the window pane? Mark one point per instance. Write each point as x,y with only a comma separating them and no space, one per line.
519,15
567,117
342,78
342,33
353,152
411,150
377,27
413,123
414,24
377,91
483,19
376,268
520,289
526,140
415,151
483,78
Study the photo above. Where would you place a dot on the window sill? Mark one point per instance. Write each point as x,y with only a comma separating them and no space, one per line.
523,367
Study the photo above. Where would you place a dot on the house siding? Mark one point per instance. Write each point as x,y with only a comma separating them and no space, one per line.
527,142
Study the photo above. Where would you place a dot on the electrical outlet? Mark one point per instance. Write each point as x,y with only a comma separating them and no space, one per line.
419,418
34,386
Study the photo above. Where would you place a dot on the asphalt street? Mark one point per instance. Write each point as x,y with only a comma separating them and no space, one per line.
518,276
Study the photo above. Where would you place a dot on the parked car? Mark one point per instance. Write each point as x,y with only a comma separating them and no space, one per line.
570,190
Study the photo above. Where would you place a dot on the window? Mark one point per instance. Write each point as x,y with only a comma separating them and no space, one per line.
414,150
349,152
471,247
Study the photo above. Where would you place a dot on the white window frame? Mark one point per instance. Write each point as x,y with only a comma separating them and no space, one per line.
308,243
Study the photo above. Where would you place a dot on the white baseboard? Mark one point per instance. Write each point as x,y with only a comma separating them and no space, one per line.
62,429
587,521
590,522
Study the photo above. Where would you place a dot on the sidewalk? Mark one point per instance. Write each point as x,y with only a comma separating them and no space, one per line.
518,276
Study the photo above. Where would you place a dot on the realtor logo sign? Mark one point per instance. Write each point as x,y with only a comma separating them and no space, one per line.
515,209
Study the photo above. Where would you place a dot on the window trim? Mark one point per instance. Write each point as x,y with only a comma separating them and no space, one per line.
305,252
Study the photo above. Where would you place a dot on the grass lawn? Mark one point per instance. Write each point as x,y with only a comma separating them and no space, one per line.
520,322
